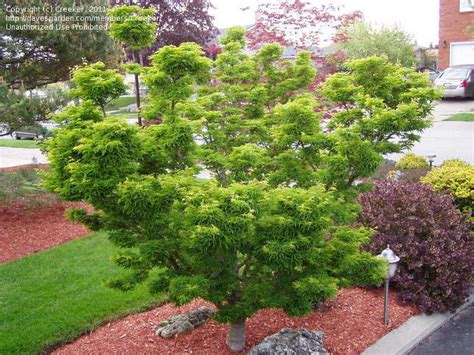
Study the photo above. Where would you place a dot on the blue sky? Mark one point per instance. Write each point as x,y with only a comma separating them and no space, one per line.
418,17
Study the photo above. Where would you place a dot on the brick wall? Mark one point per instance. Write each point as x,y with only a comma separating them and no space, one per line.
452,28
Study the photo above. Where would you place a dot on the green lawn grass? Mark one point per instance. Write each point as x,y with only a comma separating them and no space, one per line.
464,117
52,297
120,102
124,114
14,143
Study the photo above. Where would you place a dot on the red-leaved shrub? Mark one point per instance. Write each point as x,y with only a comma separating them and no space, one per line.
431,237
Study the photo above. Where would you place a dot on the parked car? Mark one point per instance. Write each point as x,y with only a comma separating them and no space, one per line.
30,132
457,81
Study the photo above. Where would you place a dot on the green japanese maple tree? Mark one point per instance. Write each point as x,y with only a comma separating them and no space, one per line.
271,227
133,27
96,83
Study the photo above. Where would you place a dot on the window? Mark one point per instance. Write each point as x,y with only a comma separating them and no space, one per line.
455,74
466,5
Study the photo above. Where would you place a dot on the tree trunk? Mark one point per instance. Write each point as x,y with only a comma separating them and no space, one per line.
137,94
236,336
137,89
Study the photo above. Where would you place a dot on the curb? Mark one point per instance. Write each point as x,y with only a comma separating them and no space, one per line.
405,338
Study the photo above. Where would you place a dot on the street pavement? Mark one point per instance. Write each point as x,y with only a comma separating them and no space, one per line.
456,337
446,108
446,140
20,156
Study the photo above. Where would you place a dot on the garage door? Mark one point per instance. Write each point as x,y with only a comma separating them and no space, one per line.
462,53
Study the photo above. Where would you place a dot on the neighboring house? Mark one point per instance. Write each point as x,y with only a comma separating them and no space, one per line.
456,39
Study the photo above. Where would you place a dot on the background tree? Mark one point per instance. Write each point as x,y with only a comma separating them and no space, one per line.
178,21
97,84
365,41
384,106
270,228
19,108
303,25
32,58
132,27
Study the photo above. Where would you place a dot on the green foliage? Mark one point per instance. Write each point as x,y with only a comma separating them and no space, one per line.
412,161
269,229
97,84
32,58
23,183
385,104
366,41
19,109
456,178
132,26
171,78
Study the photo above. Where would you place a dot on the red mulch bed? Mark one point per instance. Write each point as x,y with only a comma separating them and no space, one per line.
351,322
27,229
25,167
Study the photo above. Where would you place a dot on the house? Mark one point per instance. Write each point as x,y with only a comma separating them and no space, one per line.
456,38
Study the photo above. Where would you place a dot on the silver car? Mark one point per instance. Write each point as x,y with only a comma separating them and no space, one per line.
457,81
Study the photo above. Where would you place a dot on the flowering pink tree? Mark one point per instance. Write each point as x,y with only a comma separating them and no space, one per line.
302,25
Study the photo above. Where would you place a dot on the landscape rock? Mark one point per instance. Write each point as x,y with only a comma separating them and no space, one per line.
291,342
184,323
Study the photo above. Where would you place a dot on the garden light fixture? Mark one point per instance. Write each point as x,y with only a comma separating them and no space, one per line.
393,260
431,160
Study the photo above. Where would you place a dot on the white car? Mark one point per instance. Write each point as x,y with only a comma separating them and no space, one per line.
457,81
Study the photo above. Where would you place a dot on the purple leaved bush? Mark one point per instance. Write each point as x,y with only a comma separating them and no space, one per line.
432,238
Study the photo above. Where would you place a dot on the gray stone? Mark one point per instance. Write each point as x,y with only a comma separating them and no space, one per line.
291,342
184,323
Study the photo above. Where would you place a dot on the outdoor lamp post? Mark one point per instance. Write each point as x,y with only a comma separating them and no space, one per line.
393,261
431,160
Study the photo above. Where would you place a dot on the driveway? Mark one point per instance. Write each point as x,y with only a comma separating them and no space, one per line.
446,108
20,156
456,337
446,140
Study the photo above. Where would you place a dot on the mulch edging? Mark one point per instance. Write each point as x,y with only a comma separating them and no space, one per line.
27,229
351,322
25,167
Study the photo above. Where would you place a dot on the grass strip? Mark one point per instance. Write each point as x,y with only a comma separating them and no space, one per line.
50,298
462,117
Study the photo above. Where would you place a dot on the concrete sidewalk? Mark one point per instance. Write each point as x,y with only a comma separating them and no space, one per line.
20,156
408,336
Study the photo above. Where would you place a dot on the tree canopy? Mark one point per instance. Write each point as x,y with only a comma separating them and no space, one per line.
272,226
132,27
299,24
30,57
178,21
365,41
97,84
20,109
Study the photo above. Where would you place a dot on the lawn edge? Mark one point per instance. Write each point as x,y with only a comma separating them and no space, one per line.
49,348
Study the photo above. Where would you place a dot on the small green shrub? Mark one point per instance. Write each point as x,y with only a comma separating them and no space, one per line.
24,186
455,177
412,161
